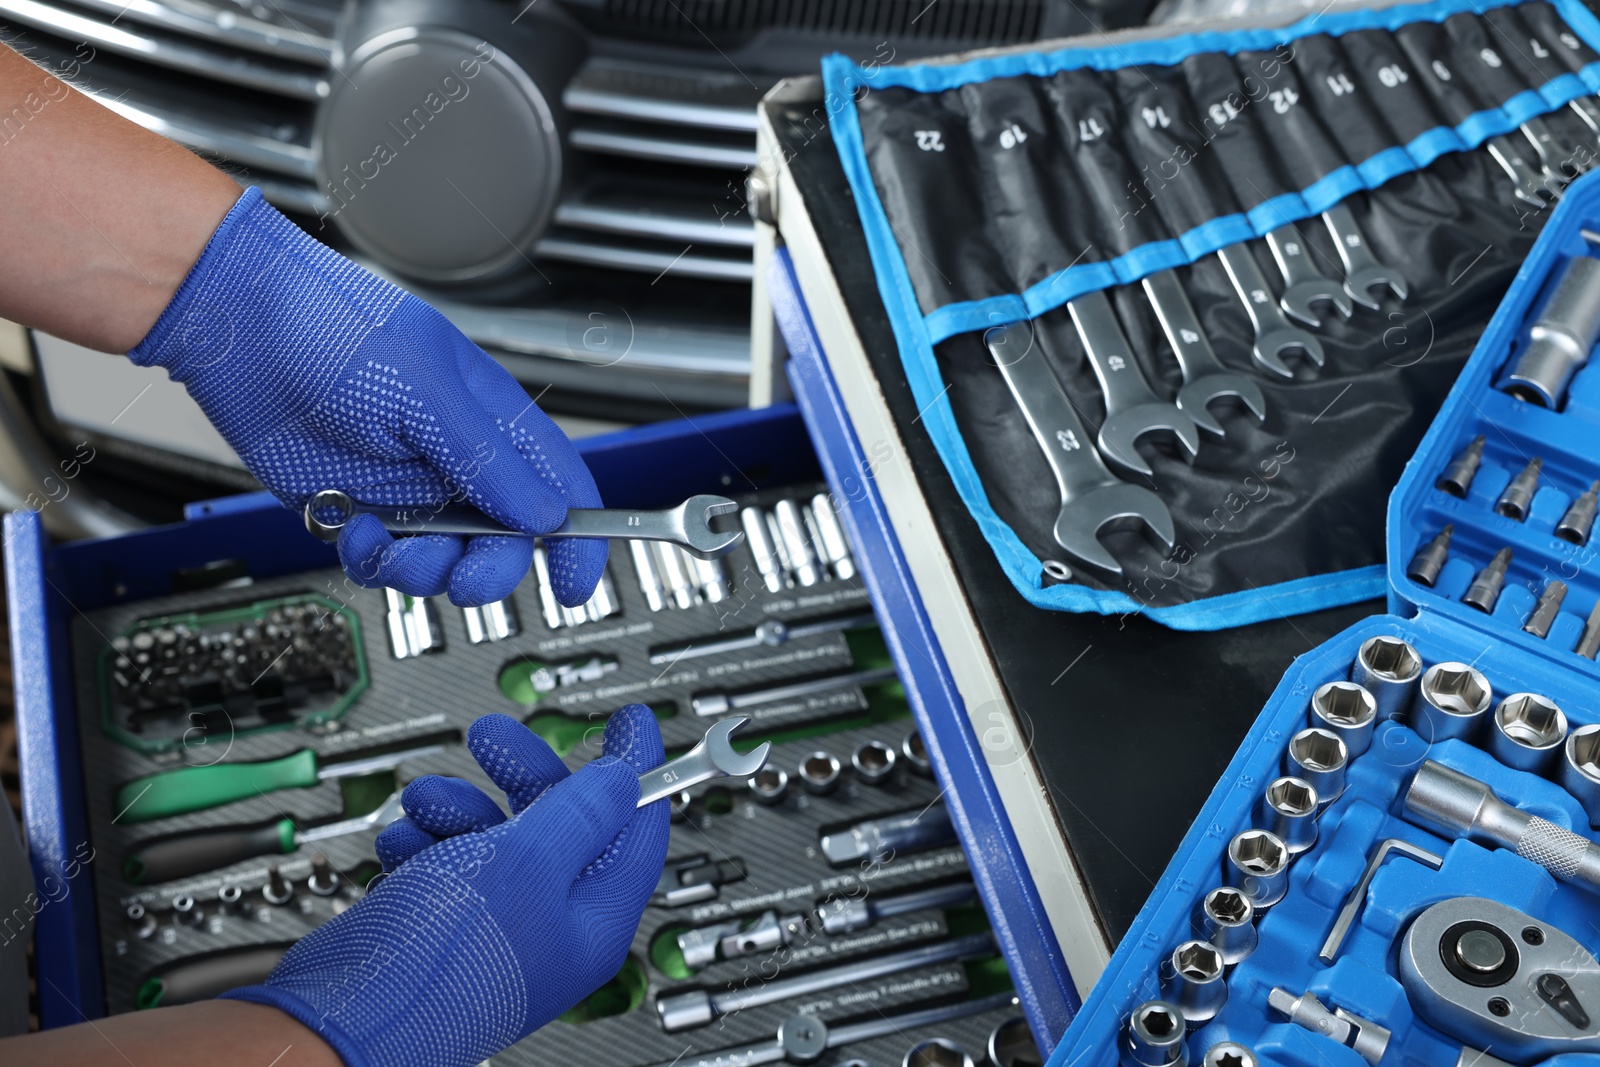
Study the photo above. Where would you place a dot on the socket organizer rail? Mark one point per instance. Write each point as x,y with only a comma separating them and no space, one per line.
184,882
1410,827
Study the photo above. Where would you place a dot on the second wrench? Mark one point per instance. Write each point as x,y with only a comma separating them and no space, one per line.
1205,379
1274,334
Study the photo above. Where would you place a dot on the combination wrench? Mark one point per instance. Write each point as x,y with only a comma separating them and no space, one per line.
1205,379
713,756
1132,408
1092,498
688,525
1362,271
1303,284
1274,334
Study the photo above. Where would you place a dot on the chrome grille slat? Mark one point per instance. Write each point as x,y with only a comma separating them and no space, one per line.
172,52
299,40
296,161
665,149
658,224
684,263
650,93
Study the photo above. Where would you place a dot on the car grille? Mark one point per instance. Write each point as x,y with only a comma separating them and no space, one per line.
652,221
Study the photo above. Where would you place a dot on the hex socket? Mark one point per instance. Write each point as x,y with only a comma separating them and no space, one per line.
1348,710
819,773
1452,701
768,785
1228,920
1559,340
1230,1054
1579,772
1527,732
873,762
1388,668
1156,1033
1288,808
937,1052
1192,978
916,754
1257,863
1319,756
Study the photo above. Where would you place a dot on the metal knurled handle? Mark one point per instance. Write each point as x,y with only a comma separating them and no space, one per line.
1557,850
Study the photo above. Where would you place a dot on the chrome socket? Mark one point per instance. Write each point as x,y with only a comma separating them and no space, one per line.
936,1052
1288,808
1518,496
1319,757
1192,979
1527,732
1579,772
873,762
1430,559
1230,1054
819,773
1452,701
1457,478
185,912
768,785
1228,920
1389,669
1347,710
1257,863
1011,1044
141,922
1559,340
916,754
1155,1036
1578,522
230,899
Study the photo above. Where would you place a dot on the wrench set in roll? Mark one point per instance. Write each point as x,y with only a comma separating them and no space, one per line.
242,745
1401,864
1181,308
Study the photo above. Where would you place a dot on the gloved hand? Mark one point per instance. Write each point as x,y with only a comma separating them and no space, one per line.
324,376
486,928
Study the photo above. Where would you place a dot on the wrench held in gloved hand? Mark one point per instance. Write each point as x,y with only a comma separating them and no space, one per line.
486,927
319,373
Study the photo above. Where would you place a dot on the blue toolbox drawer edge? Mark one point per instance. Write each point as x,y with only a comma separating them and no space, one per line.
1038,969
45,583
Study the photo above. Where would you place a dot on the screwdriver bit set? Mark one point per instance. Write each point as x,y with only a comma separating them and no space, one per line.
1162,305
240,746
1401,865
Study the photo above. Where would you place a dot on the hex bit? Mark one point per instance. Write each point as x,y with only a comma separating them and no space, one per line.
1457,478
1545,611
1576,525
1589,643
1430,559
1518,496
1484,592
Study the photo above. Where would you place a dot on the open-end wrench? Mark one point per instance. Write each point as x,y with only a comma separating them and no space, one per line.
1303,283
1274,333
688,525
1526,184
1555,154
1204,377
1132,407
1361,270
1092,498
713,756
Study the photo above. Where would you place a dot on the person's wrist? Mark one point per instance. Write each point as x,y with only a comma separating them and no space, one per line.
305,1017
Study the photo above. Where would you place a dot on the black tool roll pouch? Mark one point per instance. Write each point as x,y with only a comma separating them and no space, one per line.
1011,189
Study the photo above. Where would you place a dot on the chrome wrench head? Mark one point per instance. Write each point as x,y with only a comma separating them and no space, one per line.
1269,348
1360,282
1196,397
713,756
1117,505
1298,298
1120,434
693,532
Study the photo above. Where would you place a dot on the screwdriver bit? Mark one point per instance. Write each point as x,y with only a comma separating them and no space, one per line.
1589,643
1430,558
1457,477
1546,610
1576,524
1484,592
1514,502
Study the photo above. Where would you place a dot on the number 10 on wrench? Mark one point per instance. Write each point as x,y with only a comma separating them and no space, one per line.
712,756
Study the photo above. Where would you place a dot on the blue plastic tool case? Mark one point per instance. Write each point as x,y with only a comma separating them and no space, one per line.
1362,980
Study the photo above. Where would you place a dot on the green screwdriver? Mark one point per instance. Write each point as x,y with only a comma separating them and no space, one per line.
189,789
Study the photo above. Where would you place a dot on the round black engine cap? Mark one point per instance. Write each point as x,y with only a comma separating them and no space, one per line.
440,156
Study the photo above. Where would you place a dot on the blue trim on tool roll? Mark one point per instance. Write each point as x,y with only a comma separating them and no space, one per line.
917,333
1012,900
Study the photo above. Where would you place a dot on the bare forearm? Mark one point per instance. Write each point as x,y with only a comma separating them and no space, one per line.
194,1035
101,219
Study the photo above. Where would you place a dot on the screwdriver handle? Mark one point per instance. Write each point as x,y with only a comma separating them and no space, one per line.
183,855
157,796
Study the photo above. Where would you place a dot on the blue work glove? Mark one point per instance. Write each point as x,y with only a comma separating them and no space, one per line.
324,376
485,928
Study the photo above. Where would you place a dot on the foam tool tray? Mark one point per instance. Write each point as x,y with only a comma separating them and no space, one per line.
835,895
1438,905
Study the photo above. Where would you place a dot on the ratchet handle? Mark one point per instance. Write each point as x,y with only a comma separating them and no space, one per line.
183,855
1181,325
190,789
1109,353
1067,447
